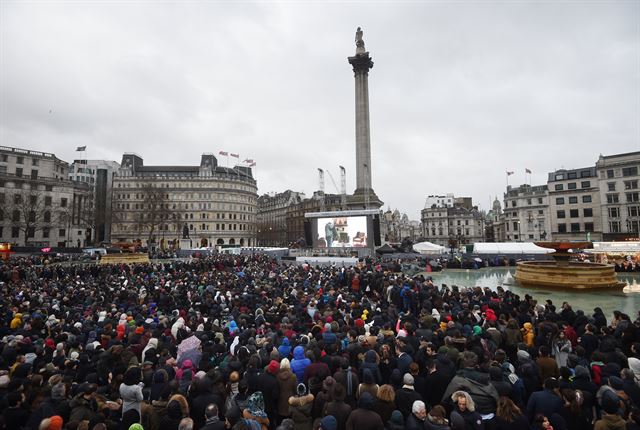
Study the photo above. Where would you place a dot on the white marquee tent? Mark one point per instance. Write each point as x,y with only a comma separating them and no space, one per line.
509,248
429,248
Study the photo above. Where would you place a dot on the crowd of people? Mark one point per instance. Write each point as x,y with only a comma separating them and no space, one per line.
247,342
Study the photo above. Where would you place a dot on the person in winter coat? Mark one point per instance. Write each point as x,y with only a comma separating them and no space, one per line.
131,391
416,419
546,402
509,416
561,349
16,322
436,419
406,396
364,417
368,385
285,348
287,384
337,407
371,363
464,415
255,410
267,383
386,403
299,363
396,422
527,334
300,407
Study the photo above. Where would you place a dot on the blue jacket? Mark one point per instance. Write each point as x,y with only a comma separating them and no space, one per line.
285,348
299,363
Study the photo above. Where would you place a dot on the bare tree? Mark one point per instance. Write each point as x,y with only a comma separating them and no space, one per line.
27,213
155,211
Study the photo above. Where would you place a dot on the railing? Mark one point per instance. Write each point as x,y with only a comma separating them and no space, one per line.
27,152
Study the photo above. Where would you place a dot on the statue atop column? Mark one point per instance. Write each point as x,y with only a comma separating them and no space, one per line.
359,42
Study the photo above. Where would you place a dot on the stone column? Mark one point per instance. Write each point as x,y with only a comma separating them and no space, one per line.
362,63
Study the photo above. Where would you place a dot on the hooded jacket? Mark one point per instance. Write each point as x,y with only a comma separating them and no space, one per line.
299,363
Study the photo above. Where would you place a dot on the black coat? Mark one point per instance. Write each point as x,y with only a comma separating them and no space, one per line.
268,385
405,399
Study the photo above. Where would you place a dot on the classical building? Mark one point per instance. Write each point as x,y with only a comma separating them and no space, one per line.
493,225
526,214
574,205
39,204
207,203
271,219
395,227
98,174
618,178
453,220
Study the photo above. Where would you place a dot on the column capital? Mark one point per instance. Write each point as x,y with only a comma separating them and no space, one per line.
361,63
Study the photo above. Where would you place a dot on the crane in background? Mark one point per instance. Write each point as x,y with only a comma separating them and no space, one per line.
321,187
343,189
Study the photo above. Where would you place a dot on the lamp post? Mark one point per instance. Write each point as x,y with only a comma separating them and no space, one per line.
519,234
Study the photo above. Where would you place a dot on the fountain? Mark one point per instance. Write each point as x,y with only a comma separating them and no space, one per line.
563,273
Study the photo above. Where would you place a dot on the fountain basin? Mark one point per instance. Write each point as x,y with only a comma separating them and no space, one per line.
573,275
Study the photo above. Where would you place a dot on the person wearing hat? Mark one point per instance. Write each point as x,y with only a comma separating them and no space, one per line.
267,383
287,384
300,407
328,422
407,395
610,420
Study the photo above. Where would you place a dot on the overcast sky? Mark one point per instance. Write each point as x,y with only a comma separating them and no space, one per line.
460,91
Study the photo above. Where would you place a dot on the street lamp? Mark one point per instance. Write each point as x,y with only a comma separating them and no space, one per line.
519,234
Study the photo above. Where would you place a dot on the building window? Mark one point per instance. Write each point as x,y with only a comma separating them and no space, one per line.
560,214
611,186
613,212
47,200
559,187
562,228
45,233
529,201
19,172
540,212
614,226
631,185
588,226
574,213
63,202
15,232
588,212
633,211
47,216
62,232
17,199
633,197
540,200
572,175
34,161
585,184
612,198
630,171
634,226
575,227
20,160
610,174
573,200
559,200
571,186
4,158
586,199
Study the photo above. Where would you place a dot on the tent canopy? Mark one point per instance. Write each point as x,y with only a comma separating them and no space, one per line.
509,248
614,247
429,248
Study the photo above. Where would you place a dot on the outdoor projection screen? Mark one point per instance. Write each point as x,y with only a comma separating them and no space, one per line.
342,232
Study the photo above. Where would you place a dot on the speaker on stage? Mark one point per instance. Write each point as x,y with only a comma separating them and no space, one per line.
376,230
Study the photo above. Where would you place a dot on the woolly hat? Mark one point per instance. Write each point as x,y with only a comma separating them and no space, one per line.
55,422
329,423
610,402
522,354
273,367
616,383
58,391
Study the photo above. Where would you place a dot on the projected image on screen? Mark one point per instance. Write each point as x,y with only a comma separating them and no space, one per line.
342,232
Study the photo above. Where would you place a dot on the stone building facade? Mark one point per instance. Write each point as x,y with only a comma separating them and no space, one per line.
271,220
39,205
526,214
574,205
158,205
459,222
619,183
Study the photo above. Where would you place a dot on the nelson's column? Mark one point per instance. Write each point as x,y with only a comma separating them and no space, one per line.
363,196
